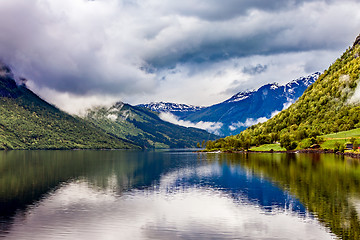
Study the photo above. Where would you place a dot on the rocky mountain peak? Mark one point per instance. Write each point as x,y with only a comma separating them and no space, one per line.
170,107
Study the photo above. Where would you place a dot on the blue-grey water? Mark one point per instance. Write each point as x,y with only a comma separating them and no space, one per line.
177,194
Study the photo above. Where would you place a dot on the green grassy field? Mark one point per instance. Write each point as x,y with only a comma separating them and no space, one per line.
340,137
329,141
330,144
268,147
345,134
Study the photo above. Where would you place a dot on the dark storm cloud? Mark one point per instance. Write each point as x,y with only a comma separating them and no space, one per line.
72,46
215,10
253,70
227,48
138,48
256,35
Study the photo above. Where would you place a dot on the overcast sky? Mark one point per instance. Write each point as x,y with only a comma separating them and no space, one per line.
76,53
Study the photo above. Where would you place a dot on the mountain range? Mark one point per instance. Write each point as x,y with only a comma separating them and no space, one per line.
241,110
29,122
144,127
178,109
320,104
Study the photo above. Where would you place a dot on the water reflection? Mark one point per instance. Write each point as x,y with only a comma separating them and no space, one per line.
325,184
236,182
173,195
188,214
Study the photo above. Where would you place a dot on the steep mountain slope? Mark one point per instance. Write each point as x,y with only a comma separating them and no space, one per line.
28,122
244,108
330,105
144,127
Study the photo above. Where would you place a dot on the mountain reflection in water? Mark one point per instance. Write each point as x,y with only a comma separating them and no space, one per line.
177,195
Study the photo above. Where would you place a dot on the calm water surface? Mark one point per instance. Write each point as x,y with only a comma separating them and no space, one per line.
177,194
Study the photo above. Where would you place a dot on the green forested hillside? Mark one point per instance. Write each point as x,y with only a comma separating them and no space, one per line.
330,105
144,127
28,122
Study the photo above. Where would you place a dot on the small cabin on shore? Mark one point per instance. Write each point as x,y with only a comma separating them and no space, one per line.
349,146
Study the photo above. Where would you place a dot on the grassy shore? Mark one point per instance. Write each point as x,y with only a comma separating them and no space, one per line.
329,142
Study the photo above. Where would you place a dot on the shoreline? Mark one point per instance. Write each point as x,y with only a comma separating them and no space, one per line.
319,151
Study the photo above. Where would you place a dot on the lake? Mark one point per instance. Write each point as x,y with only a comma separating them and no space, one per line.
177,194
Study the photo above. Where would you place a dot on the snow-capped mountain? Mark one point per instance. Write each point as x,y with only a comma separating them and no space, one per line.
300,84
177,109
240,96
292,90
242,109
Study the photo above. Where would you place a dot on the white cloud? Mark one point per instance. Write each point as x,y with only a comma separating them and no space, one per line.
149,50
355,98
213,82
250,121
74,103
212,127
287,105
76,210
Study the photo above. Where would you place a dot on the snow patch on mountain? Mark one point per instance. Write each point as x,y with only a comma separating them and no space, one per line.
240,96
170,107
306,81
211,127
274,86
